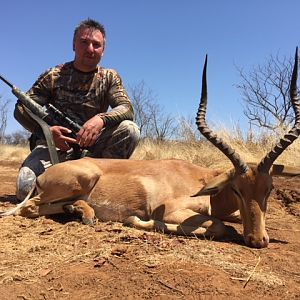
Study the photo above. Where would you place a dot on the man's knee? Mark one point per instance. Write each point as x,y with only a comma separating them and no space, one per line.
117,142
124,140
133,131
25,182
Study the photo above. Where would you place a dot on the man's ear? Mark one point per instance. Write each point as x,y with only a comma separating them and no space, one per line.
104,46
217,184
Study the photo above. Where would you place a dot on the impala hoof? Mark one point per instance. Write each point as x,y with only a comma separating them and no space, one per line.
82,209
69,209
89,221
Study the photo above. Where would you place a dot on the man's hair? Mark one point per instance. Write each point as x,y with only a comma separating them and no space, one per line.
89,23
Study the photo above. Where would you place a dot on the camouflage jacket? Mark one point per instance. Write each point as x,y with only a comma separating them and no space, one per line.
79,95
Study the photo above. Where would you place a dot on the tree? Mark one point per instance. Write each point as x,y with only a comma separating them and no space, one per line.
265,92
187,130
19,137
3,118
149,115
142,99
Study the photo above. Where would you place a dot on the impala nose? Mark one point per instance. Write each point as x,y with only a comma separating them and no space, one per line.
257,242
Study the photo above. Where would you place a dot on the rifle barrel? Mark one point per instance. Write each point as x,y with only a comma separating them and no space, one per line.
6,81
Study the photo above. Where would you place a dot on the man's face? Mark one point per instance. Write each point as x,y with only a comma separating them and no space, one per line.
89,47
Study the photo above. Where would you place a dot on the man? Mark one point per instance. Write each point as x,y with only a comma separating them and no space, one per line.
84,91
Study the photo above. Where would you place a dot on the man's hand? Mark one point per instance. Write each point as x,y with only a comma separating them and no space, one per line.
90,131
61,141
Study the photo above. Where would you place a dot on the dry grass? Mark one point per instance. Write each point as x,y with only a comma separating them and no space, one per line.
251,147
203,153
13,153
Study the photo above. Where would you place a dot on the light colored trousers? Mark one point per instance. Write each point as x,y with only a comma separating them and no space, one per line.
115,142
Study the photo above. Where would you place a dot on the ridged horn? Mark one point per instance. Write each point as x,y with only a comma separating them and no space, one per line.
239,165
266,163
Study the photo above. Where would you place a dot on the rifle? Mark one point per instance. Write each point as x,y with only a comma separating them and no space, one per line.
44,117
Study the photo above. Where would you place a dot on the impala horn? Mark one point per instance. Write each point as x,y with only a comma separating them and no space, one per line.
229,152
266,163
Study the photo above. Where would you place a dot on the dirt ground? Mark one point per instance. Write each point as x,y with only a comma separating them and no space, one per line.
62,259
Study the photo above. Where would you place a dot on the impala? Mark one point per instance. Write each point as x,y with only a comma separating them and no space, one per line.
172,196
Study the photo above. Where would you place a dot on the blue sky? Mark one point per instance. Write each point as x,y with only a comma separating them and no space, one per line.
162,42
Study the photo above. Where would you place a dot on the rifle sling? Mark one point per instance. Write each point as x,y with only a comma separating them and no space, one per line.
48,136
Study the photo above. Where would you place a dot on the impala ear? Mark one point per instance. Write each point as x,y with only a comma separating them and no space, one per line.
217,184
282,170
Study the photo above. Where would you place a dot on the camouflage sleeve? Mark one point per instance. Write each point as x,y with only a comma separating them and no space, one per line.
118,100
40,93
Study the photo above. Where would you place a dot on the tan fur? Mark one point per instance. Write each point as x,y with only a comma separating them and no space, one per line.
158,195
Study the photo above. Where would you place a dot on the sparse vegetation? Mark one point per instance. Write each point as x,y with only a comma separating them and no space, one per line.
15,153
265,91
251,147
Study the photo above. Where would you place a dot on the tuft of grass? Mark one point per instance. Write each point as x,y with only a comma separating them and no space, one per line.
14,153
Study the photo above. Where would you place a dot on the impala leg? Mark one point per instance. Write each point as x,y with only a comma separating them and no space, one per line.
83,209
33,208
29,208
188,222
234,217
184,222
